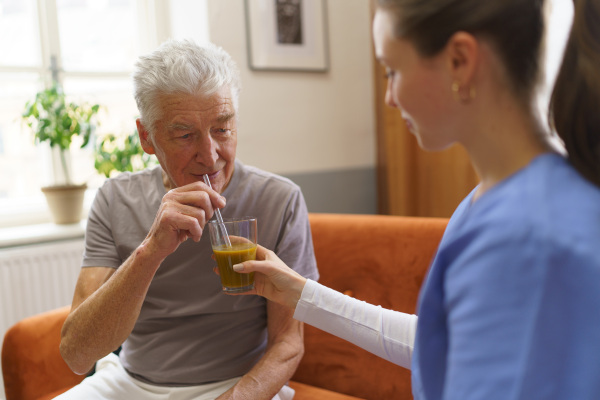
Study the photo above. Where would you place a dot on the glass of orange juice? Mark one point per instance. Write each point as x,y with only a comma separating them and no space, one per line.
240,247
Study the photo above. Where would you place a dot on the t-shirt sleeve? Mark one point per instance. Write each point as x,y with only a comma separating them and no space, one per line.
385,333
100,249
295,246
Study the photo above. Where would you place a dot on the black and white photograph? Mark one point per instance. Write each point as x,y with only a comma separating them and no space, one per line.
289,22
287,35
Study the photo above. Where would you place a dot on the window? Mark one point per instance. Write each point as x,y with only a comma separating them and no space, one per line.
89,46
560,19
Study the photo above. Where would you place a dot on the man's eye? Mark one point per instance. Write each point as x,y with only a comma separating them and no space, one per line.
222,131
186,136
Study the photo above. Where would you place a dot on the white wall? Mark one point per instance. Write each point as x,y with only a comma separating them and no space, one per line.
293,122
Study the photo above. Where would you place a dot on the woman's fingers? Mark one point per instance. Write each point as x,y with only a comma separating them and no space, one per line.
274,279
263,253
249,266
266,262
266,267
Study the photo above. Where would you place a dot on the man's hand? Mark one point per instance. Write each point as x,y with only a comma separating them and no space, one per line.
183,213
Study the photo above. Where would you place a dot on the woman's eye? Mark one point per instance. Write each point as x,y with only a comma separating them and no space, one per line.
389,73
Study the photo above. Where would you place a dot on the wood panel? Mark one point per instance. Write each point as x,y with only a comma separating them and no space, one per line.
411,181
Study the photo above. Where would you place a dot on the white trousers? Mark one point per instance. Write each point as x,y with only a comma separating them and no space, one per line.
112,382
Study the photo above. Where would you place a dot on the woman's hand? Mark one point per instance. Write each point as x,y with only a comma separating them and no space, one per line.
273,279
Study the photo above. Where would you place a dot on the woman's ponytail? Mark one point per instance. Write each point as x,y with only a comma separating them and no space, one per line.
575,102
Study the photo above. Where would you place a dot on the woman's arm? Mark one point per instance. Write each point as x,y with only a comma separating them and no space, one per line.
385,333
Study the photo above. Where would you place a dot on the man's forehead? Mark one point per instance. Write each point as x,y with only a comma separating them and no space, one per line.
190,115
222,94
215,102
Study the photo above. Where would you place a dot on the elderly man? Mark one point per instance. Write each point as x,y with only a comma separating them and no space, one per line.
147,280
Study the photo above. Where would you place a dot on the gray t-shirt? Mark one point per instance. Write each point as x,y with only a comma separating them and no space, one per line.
188,331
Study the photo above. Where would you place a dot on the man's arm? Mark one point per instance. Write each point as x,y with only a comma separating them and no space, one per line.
285,349
107,304
90,279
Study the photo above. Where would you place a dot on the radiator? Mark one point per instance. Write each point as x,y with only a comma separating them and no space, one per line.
36,278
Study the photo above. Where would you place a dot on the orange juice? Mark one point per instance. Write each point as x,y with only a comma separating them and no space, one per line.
229,256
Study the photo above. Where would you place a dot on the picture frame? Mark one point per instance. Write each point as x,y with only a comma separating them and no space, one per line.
287,35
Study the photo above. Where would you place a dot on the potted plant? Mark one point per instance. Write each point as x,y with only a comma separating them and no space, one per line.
118,154
54,120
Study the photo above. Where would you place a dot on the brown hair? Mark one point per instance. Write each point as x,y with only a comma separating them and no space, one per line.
514,27
575,103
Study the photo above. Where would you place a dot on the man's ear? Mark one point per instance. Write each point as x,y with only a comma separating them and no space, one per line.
145,139
463,53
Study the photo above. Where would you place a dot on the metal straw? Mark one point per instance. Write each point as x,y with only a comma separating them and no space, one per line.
220,222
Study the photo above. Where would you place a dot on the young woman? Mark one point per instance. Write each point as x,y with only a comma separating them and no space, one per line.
510,306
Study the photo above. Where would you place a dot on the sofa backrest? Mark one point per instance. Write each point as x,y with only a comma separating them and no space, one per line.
381,260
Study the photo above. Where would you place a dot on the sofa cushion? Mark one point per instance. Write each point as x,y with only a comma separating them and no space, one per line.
307,392
379,259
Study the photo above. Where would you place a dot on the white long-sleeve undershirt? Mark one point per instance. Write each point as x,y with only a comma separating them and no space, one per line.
385,333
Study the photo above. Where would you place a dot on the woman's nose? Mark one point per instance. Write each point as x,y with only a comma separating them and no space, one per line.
389,98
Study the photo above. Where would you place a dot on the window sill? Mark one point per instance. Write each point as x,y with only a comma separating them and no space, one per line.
39,233
28,221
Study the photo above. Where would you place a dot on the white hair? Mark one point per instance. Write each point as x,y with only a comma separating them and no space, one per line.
182,66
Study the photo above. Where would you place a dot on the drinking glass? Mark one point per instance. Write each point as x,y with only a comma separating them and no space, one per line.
241,233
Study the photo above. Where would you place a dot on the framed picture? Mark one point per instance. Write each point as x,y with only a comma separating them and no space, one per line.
287,35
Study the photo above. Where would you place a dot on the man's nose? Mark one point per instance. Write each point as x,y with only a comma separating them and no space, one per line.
206,150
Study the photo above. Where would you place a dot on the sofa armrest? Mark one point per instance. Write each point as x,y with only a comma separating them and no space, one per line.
31,362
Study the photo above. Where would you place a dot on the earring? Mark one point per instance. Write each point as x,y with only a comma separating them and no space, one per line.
457,93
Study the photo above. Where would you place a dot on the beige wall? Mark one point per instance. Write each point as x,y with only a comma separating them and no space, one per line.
293,122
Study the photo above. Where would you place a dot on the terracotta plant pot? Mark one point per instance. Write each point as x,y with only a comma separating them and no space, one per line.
65,202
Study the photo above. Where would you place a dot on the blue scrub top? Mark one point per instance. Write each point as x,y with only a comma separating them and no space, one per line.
511,305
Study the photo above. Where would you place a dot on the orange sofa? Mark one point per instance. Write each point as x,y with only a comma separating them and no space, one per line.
379,259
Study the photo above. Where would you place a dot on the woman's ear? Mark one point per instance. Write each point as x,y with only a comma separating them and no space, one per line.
463,54
145,139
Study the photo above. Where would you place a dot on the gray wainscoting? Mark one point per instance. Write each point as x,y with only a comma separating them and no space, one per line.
351,191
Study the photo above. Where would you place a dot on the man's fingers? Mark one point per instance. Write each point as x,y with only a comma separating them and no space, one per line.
189,226
198,194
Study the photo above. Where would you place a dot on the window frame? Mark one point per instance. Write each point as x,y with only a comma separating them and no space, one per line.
153,27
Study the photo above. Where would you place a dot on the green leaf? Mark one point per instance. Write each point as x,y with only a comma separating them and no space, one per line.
52,119
115,154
